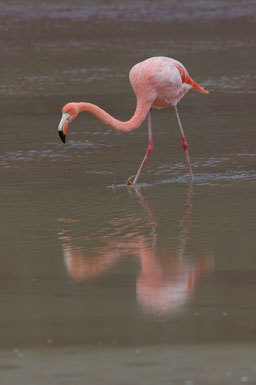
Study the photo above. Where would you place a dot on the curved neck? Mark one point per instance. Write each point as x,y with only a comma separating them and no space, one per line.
140,114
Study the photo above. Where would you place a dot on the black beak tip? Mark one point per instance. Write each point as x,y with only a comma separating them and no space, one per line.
62,136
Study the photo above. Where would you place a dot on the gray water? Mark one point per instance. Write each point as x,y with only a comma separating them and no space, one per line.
103,283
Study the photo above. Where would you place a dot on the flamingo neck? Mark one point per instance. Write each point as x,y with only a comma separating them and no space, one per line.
130,125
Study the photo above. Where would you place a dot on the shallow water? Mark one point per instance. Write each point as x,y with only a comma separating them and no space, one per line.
104,281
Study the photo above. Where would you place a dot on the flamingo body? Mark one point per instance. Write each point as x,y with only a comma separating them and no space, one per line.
164,81
157,82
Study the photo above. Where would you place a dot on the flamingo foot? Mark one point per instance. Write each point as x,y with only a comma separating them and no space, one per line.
129,181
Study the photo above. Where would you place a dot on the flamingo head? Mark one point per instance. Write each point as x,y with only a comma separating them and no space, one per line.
69,112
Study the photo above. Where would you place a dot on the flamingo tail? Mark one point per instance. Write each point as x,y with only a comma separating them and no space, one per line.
186,78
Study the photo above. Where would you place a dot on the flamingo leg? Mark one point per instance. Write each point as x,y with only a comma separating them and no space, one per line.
184,142
149,148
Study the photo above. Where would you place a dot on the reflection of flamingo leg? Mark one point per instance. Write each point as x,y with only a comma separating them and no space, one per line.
186,221
150,214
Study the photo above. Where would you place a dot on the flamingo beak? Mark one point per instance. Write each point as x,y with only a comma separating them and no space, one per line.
63,125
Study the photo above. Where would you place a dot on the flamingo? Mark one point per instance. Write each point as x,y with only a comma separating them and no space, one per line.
157,82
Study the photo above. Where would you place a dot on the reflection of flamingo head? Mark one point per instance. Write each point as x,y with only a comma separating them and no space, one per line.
75,267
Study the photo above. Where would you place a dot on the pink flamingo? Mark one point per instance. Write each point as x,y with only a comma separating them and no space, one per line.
157,82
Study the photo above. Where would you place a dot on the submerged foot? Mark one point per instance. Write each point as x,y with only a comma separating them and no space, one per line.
129,180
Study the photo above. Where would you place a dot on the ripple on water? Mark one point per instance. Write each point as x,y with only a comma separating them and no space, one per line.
54,151
242,83
153,11
222,169
237,167
47,83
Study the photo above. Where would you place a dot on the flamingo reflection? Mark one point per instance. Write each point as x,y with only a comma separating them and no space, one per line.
166,281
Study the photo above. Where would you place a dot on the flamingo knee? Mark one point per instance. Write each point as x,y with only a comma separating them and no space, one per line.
184,143
150,148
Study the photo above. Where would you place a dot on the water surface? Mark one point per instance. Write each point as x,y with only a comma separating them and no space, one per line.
105,283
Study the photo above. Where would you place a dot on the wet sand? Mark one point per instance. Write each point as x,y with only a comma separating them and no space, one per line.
187,365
